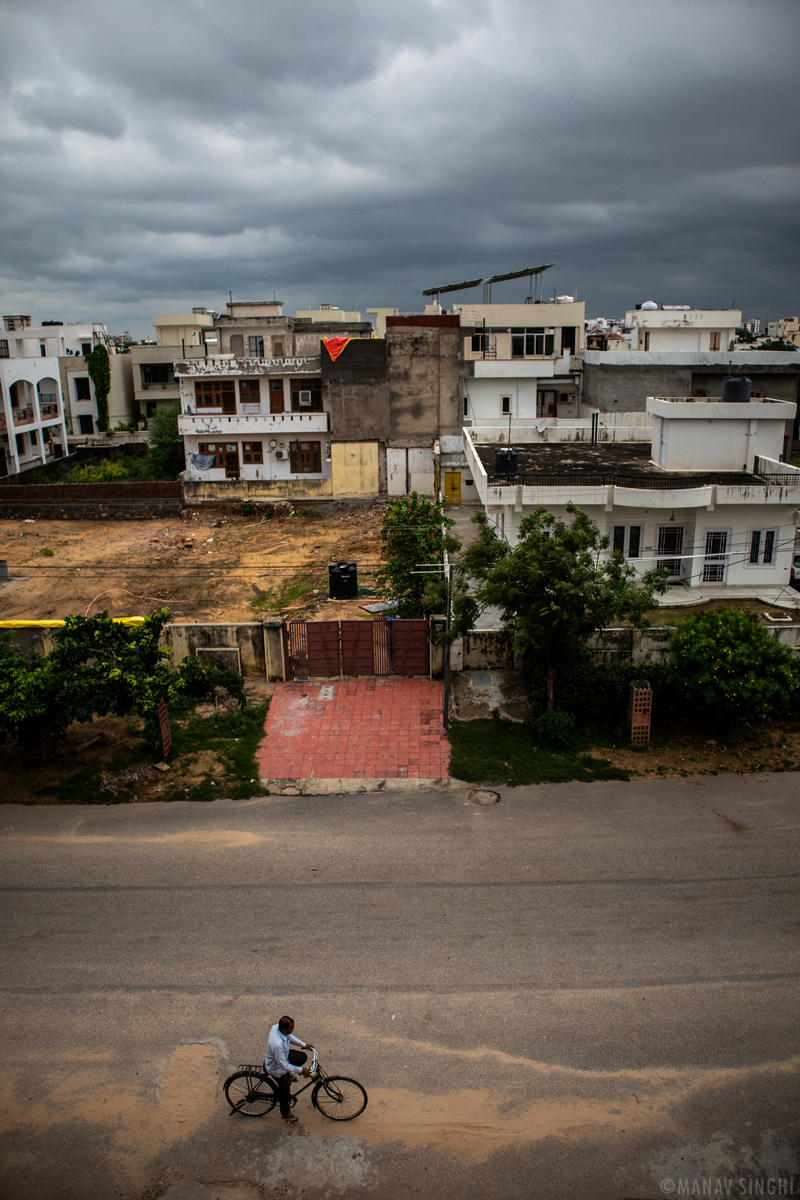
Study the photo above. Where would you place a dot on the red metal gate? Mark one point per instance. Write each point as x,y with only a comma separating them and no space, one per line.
383,647
410,654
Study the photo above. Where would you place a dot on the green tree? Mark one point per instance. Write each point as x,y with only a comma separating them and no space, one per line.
727,664
414,531
778,344
97,666
167,457
555,588
744,335
99,367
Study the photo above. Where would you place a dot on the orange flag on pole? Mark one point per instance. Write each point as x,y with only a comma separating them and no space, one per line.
335,346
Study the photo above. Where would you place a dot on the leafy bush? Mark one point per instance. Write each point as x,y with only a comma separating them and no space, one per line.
96,666
46,552
730,666
98,365
555,729
167,456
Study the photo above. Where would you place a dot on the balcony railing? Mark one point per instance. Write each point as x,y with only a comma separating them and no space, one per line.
23,416
647,483
48,410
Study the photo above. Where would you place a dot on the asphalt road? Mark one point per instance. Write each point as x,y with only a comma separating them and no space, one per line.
585,990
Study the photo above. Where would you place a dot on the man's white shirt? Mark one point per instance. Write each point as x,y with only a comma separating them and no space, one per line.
276,1059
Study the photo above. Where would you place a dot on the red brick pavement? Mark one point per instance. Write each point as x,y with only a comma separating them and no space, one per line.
371,729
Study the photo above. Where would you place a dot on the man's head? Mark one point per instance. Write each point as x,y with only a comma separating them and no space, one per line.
286,1025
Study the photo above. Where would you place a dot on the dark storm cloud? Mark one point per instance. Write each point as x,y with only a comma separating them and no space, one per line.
156,155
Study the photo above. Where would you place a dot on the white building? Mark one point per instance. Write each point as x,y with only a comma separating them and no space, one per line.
525,360
326,313
254,419
708,499
679,327
32,426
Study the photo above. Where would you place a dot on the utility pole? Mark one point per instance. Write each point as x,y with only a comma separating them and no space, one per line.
446,712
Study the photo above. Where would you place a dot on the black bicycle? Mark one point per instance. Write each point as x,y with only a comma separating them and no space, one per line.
252,1091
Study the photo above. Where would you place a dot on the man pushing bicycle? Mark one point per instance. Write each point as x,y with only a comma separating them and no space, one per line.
282,1063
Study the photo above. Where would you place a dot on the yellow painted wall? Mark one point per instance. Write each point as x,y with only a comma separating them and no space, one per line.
257,489
354,466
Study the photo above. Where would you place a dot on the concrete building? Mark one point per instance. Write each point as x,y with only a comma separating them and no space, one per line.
621,382
523,360
364,416
178,336
327,313
672,328
709,498
69,345
400,400
753,327
32,426
788,328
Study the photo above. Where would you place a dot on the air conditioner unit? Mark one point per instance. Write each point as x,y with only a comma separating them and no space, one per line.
305,399
279,453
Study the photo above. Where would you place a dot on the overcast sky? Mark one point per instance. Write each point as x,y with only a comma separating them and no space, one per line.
353,152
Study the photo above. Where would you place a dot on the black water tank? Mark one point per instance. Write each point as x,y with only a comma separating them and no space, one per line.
343,581
736,390
506,462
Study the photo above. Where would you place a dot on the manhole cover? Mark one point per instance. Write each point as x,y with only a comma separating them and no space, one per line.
482,679
325,693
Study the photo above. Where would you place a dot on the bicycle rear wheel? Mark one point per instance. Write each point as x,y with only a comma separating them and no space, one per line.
251,1093
339,1098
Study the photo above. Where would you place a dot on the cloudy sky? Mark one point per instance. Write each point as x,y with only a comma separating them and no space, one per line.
158,153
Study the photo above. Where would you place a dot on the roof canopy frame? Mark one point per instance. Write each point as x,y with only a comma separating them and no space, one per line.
532,272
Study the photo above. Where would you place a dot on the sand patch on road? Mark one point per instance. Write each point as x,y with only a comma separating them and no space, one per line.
197,837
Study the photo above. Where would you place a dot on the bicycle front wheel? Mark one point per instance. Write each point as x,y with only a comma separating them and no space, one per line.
251,1094
339,1098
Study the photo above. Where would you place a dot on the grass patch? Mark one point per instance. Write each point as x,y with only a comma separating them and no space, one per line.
274,599
507,752
234,737
47,552
84,787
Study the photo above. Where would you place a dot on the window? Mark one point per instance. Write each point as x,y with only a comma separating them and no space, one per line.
568,339
506,402
534,342
647,341
86,349
256,347
4,348
306,395
714,339
630,536
480,342
276,404
466,406
33,437
305,458
214,450
86,424
251,452
42,350
215,393
20,443
82,389
249,391
277,348
762,547
158,373
715,561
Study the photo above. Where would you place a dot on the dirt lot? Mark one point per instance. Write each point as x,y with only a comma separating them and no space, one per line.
205,567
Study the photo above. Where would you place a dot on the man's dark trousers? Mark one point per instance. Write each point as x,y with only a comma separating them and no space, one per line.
284,1082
